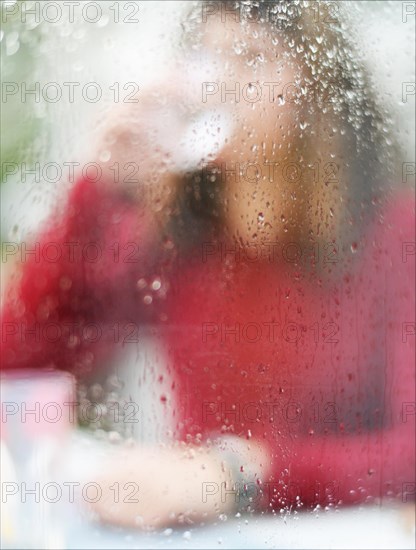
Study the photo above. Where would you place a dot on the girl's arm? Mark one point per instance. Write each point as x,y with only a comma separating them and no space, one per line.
68,291
171,485
71,299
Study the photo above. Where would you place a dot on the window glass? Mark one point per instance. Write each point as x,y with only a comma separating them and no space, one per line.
208,222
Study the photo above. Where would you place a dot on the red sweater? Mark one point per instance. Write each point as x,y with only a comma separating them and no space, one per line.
317,365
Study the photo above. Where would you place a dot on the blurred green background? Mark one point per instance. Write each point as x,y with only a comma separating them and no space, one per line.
19,55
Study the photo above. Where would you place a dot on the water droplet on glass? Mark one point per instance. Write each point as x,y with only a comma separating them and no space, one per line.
104,155
141,284
281,99
156,285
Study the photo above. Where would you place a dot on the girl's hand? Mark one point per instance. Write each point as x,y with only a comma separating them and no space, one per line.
151,488
137,142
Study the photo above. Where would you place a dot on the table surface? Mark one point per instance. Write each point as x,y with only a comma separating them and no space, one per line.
388,526
371,527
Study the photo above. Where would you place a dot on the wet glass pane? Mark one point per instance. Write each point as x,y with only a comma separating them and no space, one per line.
208,255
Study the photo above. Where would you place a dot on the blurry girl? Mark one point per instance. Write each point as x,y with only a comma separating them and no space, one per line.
276,273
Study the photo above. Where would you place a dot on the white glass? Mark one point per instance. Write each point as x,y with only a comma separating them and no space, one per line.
37,414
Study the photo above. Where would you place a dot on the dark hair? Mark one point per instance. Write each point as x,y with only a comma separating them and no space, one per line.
343,112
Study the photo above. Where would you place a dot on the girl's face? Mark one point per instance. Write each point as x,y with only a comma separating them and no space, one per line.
251,69
227,102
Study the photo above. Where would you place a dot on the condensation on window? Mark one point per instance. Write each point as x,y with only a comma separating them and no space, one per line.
208,220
